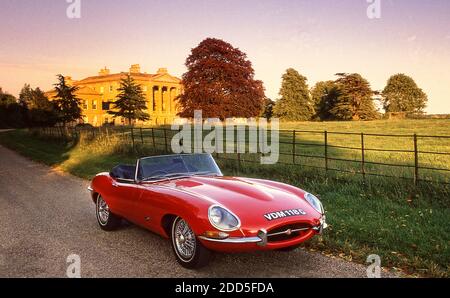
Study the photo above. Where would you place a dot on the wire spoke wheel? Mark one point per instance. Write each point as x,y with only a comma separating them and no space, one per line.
184,240
102,211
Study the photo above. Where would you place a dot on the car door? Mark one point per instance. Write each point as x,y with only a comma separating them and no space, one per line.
150,206
125,195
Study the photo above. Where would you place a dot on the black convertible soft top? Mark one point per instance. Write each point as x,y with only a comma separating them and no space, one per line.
126,172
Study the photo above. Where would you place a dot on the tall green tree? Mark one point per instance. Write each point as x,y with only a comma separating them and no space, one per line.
130,103
11,112
25,95
267,111
68,105
324,96
6,98
355,101
295,103
40,111
220,82
402,94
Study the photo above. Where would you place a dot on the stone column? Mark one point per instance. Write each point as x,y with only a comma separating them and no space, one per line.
164,99
155,96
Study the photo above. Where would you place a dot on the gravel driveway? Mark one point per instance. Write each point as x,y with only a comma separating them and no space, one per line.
45,216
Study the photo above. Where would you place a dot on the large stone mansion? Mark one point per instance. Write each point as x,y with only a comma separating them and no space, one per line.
98,92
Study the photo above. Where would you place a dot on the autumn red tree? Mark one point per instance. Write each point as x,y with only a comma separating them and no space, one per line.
220,82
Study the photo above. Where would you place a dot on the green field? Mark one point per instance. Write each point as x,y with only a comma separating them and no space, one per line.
389,148
404,224
402,139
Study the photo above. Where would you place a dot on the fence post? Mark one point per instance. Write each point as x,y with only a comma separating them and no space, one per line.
181,141
132,138
142,137
165,140
326,150
294,153
239,162
153,138
363,159
416,161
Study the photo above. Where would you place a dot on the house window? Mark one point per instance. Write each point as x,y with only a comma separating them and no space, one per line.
94,104
102,90
111,88
85,104
144,88
106,105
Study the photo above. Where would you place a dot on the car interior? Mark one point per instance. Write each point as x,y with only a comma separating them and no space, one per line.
125,173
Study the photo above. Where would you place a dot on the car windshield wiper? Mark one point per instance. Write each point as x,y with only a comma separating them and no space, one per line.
205,173
166,176
178,175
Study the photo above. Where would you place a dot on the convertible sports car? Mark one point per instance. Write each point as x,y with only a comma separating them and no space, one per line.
187,199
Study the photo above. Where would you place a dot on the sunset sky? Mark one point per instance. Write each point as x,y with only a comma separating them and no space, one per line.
318,38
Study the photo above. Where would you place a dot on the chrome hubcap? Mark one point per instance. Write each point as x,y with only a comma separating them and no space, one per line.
102,211
184,239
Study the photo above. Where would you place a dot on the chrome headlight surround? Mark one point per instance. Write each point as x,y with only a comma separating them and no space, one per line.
223,219
315,203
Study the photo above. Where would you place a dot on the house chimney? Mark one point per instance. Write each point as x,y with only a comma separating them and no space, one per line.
104,72
162,70
135,68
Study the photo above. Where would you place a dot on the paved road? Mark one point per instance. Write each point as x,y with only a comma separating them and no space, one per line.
45,216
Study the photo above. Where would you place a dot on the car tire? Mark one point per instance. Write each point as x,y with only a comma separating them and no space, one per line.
189,251
107,220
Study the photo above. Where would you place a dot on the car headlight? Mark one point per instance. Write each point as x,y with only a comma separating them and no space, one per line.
315,202
223,219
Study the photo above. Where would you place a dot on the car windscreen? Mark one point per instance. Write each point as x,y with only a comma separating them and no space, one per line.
171,166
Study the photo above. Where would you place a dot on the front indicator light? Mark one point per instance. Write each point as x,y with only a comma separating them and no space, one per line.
216,235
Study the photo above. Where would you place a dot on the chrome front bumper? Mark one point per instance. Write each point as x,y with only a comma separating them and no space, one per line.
323,225
261,238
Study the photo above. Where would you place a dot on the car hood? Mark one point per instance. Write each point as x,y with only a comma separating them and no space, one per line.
250,199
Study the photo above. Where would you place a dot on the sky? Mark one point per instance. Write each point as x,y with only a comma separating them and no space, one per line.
318,38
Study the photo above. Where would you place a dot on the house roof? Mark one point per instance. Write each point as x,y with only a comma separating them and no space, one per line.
83,90
162,77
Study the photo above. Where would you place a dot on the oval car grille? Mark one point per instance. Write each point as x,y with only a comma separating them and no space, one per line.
287,232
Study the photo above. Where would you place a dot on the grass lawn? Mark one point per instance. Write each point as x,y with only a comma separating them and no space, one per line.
407,227
404,131
344,151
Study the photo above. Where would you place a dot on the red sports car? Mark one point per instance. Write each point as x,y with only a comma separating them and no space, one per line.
187,199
